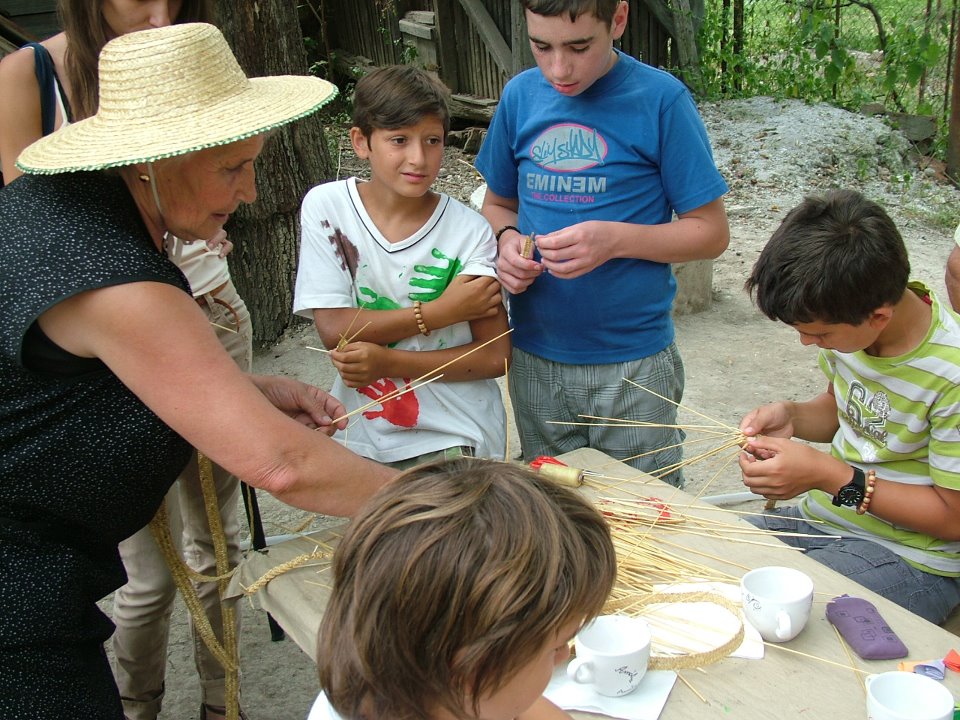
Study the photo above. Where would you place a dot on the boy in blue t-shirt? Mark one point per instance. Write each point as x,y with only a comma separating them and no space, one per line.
594,153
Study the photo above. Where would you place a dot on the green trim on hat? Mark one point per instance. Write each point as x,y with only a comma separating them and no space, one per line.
162,156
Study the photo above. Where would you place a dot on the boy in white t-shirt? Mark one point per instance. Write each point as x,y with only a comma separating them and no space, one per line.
456,592
407,277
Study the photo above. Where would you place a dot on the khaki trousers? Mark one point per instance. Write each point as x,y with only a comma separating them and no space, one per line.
142,607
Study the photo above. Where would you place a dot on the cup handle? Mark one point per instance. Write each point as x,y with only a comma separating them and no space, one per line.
784,626
580,671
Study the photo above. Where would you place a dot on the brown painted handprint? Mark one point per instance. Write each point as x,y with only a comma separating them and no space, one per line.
403,410
344,249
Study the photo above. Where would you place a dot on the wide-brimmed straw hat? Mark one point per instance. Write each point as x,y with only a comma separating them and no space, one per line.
171,91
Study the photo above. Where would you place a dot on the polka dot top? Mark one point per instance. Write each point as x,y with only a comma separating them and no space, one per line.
85,463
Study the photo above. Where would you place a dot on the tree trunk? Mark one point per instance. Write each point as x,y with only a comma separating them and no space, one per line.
265,36
682,20
685,38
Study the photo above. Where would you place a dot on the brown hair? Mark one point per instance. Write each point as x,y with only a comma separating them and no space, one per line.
834,259
452,578
602,10
398,96
86,33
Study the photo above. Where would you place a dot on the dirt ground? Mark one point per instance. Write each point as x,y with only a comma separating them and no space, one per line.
772,154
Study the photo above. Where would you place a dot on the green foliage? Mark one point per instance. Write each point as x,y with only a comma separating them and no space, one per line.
408,54
799,50
943,218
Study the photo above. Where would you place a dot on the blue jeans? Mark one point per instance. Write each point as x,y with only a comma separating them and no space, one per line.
930,596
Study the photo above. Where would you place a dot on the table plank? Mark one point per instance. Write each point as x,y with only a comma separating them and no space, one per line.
297,598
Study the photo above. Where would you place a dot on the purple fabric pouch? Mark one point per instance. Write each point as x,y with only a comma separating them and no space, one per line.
860,624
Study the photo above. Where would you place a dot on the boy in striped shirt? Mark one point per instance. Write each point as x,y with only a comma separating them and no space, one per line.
887,495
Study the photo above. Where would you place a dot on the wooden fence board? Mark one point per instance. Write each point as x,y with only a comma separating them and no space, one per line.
480,43
489,33
447,53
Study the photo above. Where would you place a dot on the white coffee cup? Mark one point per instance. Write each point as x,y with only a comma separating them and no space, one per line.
612,654
777,601
907,696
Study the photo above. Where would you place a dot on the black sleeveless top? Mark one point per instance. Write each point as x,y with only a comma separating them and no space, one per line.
83,462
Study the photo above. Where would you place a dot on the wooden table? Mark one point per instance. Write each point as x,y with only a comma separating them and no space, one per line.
782,684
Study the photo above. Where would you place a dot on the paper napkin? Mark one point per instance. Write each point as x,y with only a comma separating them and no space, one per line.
644,703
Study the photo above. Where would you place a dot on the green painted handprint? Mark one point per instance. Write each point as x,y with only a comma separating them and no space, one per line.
377,302
440,276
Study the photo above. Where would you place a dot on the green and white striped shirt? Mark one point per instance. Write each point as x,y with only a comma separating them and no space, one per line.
899,416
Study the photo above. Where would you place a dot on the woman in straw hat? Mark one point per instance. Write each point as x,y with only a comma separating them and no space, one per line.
48,85
108,369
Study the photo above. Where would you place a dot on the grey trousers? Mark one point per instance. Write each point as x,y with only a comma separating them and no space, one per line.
543,391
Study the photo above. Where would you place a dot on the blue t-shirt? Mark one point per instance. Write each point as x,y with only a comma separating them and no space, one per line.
631,148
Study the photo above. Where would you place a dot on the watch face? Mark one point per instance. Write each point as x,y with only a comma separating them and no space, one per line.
850,495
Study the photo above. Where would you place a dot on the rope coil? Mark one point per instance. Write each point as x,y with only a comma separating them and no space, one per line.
227,653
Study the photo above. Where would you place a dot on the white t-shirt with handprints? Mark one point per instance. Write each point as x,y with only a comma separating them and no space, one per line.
346,261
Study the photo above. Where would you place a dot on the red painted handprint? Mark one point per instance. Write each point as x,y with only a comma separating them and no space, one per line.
403,410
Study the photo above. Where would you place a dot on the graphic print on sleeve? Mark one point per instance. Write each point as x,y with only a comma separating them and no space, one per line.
438,277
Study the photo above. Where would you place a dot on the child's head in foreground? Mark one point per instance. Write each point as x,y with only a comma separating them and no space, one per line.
457,590
398,96
834,259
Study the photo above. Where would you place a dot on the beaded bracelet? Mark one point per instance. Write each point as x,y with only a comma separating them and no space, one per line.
868,492
418,315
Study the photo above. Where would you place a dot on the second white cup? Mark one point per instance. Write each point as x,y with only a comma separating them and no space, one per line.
777,601
907,696
612,654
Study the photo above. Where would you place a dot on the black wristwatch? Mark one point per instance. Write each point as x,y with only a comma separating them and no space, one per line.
852,493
